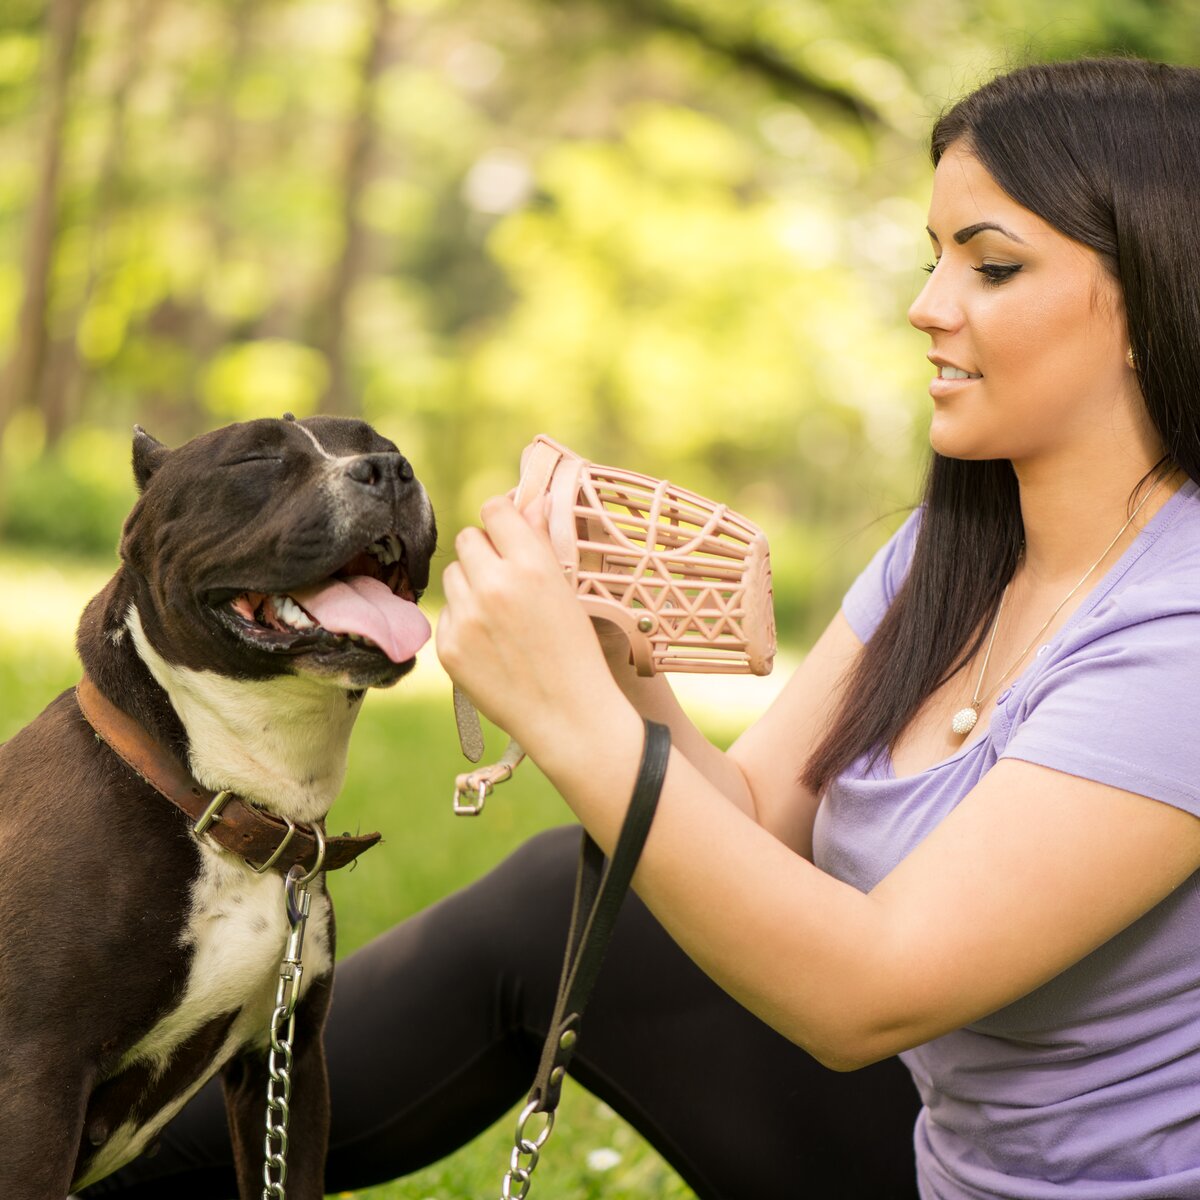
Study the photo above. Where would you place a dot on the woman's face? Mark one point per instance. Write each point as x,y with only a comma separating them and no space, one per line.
1027,328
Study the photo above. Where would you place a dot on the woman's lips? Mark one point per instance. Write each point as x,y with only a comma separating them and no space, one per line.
940,386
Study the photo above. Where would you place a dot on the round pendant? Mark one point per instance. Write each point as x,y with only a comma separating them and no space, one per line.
964,720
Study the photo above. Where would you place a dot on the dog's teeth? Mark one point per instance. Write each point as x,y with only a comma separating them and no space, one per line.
290,613
387,549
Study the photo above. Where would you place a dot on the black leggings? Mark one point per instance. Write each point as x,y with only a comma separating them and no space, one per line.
436,1029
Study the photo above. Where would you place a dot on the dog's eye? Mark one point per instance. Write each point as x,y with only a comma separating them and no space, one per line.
252,458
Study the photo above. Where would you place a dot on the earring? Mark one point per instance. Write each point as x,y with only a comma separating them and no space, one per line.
1130,359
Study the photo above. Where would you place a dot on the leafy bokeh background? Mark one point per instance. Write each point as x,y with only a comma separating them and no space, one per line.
679,235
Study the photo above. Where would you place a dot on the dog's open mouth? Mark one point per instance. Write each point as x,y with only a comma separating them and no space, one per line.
369,602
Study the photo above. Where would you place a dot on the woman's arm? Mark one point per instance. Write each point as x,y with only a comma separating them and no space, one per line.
1033,870
761,771
653,697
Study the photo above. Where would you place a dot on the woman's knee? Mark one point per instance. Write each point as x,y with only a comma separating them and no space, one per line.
521,905
541,869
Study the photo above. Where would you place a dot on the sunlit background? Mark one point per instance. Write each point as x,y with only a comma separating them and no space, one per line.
678,235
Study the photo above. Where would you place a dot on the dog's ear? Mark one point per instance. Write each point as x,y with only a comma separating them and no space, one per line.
148,455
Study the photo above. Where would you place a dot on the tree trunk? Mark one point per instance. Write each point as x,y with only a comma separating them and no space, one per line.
206,331
24,375
339,396
65,381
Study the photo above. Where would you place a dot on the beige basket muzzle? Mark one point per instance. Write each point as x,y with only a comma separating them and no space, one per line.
686,579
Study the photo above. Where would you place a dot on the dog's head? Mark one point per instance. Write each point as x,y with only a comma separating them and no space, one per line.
278,547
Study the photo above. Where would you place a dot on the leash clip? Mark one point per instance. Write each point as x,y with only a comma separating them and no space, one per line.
297,900
291,969
464,807
472,789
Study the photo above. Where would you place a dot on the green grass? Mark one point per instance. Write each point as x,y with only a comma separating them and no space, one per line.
403,760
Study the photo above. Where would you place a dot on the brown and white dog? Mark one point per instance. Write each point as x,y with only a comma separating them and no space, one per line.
269,575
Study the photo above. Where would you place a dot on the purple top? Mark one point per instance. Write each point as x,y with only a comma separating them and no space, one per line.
1088,1088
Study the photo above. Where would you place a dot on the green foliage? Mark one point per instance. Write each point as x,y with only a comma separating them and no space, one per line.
678,234
73,499
264,378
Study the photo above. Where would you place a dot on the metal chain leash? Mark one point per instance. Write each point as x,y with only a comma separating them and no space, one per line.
521,1173
279,1063
287,993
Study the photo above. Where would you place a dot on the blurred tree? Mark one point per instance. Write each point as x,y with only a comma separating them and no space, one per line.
205,324
680,234
25,376
65,380
350,263
742,37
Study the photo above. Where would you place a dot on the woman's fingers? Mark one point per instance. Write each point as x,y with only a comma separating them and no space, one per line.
513,634
455,586
519,535
475,552
537,515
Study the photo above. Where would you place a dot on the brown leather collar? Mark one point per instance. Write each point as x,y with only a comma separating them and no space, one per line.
261,839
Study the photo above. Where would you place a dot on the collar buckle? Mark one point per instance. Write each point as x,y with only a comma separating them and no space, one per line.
213,812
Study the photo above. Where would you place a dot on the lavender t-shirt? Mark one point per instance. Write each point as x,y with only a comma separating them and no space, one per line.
1088,1088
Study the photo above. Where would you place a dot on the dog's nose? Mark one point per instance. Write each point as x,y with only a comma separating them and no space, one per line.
377,470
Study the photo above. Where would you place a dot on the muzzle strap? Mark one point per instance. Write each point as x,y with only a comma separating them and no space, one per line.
264,841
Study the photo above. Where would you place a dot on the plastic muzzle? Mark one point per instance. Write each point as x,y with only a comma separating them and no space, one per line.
686,579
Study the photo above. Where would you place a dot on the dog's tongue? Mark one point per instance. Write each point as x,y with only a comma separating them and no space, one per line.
364,605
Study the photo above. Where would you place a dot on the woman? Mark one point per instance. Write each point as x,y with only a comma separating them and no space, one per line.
985,860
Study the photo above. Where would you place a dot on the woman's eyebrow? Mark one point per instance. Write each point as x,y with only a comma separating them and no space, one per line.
965,235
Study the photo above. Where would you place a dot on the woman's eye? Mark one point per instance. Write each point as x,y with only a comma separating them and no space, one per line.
994,273
928,268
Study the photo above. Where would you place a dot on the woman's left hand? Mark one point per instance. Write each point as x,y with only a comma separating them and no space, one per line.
514,636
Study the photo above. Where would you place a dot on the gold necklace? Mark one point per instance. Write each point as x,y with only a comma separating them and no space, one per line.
965,719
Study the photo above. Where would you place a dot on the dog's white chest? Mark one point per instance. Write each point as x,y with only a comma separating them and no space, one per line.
236,932
235,936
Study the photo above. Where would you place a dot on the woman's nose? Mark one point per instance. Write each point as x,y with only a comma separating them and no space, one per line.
934,307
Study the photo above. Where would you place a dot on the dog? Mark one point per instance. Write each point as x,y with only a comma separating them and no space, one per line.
269,575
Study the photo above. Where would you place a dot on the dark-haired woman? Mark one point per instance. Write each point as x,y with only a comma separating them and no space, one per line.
965,834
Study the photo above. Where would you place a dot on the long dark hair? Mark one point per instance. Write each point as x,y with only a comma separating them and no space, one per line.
1108,152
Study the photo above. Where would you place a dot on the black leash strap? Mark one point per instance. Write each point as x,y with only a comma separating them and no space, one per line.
599,889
